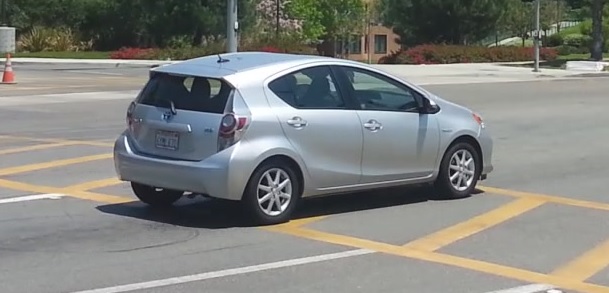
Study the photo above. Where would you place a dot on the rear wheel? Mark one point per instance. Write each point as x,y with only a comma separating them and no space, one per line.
156,197
272,193
459,171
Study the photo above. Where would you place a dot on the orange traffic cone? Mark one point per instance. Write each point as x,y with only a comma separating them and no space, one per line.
9,76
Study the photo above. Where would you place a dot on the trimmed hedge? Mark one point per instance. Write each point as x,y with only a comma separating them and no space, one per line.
194,52
446,54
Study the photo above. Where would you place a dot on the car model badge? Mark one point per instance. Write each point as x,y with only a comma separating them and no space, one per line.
167,115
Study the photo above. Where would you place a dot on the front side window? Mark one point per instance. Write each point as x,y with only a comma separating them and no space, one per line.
376,92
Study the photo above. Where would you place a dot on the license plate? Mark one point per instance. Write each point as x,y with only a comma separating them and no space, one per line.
168,140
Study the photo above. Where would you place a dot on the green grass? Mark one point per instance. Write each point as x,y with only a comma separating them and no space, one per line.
518,42
576,57
570,30
64,55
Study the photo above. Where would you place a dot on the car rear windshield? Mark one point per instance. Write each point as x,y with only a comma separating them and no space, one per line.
186,92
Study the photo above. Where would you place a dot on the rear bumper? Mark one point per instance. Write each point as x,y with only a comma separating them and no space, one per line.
209,176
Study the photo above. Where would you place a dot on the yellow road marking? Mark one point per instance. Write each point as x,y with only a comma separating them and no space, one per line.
36,147
474,225
86,195
549,198
52,164
95,184
587,265
480,266
53,140
300,222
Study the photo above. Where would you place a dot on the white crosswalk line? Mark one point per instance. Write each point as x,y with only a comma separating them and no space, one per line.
67,98
532,288
31,197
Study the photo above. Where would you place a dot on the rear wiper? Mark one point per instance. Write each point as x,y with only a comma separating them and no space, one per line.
172,106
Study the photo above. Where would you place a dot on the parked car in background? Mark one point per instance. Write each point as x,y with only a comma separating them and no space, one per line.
269,129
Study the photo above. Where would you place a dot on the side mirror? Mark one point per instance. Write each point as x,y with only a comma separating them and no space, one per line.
429,107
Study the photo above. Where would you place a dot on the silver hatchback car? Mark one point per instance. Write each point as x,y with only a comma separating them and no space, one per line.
269,129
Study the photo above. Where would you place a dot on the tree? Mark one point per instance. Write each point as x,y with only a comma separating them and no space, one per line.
341,18
517,19
442,21
596,12
292,18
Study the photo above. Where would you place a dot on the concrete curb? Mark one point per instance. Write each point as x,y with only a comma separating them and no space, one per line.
153,62
591,74
115,62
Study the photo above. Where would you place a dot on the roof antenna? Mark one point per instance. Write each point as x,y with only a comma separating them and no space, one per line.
221,60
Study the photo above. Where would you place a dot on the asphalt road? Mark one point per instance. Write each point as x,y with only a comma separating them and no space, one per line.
67,225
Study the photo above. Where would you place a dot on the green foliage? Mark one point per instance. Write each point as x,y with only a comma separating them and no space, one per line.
554,40
586,29
564,50
145,23
311,16
442,21
516,18
112,24
577,40
40,39
341,17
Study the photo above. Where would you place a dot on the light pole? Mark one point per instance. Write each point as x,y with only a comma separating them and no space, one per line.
537,34
232,25
368,38
277,10
3,8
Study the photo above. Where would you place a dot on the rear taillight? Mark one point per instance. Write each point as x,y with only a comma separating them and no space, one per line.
235,121
231,124
232,128
129,116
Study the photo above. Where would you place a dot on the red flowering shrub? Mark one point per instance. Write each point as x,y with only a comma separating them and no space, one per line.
270,49
132,53
445,54
194,52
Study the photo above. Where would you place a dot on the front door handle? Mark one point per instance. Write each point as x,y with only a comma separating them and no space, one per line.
373,125
297,122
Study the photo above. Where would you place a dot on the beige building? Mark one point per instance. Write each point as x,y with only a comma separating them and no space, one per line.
383,40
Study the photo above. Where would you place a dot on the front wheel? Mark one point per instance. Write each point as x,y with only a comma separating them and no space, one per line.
459,171
272,193
155,197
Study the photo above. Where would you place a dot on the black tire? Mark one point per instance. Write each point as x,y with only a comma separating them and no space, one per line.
443,188
156,197
251,194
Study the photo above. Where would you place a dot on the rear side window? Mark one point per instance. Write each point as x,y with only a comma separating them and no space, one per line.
189,93
309,88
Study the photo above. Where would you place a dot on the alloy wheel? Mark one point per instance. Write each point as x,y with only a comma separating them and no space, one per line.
461,170
274,191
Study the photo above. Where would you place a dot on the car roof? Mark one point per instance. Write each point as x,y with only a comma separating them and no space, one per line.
237,62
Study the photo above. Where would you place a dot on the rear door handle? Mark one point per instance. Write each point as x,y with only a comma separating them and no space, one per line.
373,125
297,122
